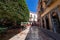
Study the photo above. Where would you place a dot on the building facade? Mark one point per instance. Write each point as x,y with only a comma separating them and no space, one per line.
32,17
49,15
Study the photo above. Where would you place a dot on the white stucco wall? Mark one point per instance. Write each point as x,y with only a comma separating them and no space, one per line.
33,18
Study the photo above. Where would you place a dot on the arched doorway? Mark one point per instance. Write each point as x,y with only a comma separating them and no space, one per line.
47,23
56,22
43,23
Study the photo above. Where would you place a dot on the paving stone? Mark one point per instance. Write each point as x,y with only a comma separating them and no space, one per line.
33,34
36,34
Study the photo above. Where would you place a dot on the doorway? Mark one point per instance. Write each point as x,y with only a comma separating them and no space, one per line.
47,23
43,23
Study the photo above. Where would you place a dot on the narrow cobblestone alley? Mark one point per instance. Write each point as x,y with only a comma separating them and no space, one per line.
35,34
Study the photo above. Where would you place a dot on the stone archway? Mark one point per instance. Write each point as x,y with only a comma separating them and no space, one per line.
43,23
47,23
56,22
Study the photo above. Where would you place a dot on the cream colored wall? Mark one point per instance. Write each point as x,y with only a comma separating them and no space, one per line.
52,6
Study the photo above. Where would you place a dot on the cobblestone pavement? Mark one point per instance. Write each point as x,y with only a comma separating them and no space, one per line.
33,34
36,34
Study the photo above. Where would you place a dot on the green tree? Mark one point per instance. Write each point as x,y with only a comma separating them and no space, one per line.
13,11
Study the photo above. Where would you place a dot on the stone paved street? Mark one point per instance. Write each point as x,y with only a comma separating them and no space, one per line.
33,34
36,34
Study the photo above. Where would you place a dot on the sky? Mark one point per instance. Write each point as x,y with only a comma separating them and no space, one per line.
32,5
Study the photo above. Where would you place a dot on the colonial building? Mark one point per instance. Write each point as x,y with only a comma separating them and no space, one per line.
33,17
49,15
